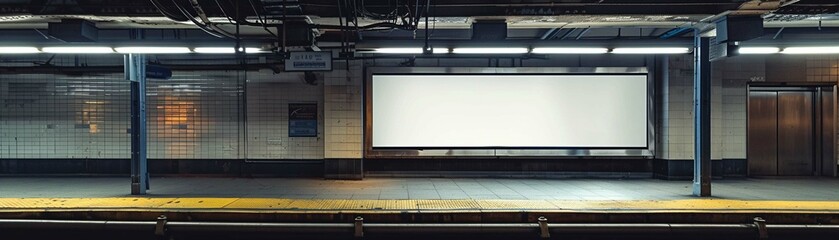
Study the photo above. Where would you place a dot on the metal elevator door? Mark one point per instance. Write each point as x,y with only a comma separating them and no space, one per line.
763,134
795,133
781,133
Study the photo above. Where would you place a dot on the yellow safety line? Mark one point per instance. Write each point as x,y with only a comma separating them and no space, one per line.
381,206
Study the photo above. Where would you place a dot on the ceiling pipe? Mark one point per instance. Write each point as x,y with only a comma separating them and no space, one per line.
162,9
568,33
582,33
549,34
203,16
678,42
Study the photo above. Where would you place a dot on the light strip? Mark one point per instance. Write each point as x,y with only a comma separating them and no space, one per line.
255,50
78,50
652,50
569,50
153,50
440,50
811,50
17,50
512,50
225,50
215,50
398,50
758,50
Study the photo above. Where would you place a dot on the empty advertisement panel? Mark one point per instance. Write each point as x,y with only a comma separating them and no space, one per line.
509,111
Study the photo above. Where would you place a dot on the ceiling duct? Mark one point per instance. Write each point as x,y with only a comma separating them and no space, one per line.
489,30
74,30
296,34
739,28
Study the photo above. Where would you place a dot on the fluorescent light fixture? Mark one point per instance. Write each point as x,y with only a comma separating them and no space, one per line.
398,50
497,50
652,50
409,50
12,50
78,50
153,50
570,50
811,50
225,50
214,50
255,50
758,50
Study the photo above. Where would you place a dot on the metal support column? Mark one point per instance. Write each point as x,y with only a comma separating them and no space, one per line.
702,116
135,72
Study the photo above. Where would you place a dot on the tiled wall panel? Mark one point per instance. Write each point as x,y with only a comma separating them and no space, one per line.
59,116
197,115
267,120
193,115
343,111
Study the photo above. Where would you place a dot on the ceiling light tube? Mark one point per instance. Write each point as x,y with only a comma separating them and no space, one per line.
651,50
225,50
17,50
398,50
440,50
215,50
490,50
758,50
569,50
811,50
78,50
153,50
255,50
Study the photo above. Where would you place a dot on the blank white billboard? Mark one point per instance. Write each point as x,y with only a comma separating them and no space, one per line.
509,111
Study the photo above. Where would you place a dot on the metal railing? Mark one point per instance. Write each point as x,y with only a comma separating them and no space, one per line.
756,230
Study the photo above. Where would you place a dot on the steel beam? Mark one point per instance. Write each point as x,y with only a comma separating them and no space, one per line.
702,116
135,72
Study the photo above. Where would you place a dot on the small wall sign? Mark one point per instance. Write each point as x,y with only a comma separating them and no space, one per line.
303,120
309,61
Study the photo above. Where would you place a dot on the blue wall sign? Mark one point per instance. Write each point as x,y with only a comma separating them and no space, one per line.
303,120
157,71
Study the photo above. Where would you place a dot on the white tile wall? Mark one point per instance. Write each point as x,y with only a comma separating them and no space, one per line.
736,72
676,130
343,111
267,132
194,115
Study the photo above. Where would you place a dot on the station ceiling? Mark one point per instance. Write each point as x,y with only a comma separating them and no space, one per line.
403,19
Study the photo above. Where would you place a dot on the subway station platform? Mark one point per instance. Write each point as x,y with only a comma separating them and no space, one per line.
384,208
421,200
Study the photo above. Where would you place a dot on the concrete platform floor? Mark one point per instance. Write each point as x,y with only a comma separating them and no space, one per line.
422,188
422,200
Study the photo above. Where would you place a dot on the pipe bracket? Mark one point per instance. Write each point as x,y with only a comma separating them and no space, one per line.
544,232
359,227
760,223
160,227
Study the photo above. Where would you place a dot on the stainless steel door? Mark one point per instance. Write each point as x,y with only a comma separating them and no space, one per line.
828,143
795,133
762,134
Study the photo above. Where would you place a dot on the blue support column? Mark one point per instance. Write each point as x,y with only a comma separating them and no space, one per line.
702,116
135,72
